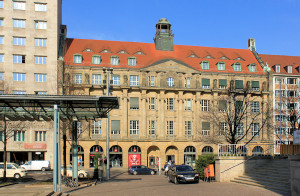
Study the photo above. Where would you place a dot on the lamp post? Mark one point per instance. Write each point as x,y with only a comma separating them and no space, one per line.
107,71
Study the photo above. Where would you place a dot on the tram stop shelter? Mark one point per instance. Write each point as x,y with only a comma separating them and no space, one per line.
56,108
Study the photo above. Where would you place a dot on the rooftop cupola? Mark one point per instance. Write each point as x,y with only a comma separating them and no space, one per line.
163,38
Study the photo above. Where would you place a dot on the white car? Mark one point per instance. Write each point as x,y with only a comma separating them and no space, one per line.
12,170
81,173
37,165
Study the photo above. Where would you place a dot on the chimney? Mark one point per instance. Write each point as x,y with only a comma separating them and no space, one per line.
251,44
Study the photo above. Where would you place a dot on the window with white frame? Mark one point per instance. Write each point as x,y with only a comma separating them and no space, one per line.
40,7
151,127
255,106
187,104
170,127
96,127
292,93
19,136
40,25
1,39
151,81
40,60
134,80
279,80
77,58
255,129
240,129
40,42
279,93
114,60
292,81
115,127
277,68
40,77
170,81
1,58
280,118
96,79
96,60
40,92
134,127
19,23
292,106
170,103
221,66
205,105
19,77
1,76
19,41
77,78
115,79
19,92
79,129
205,65
237,67
205,128
279,106
188,127
132,61
1,4
1,22
151,102
19,58
252,67
289,69
187,82
40,136
19,5
222,128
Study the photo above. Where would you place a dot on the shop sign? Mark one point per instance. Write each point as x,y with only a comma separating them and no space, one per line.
35,146
296,139
134,159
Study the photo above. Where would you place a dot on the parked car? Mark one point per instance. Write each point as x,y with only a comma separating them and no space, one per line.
140,169
182,173
12,170
81,173
37,165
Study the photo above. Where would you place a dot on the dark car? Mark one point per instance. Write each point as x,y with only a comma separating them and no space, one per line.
182,173
140,169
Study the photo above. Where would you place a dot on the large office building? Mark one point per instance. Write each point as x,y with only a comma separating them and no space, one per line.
29,41
166,93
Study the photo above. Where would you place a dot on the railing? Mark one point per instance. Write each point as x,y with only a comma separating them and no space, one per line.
245,150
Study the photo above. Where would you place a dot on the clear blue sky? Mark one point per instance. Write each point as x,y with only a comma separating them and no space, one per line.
275,24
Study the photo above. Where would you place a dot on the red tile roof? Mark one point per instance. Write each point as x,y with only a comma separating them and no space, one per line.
151,55
282,61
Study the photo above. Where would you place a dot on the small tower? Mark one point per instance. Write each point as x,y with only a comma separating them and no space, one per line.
251,44
163,38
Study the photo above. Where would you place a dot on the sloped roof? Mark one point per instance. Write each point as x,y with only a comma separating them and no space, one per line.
151,55
282,61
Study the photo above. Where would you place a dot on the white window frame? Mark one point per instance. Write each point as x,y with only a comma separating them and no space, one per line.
170,127
132,61
1,4
187,82
255,106
19,136
289,69
77,59
96,79
19,77
237,67
97,127
223,128
134,127
255,128
151,127
205,65
96,60
152,103
19,41
40,60
40,136
188,127
77,78
116,79
277,68
151,81
188,104
114,60
40,7
79,128
205,105
221,66
134,80
40,42
40,25
19,23
170,82
19,5
240,129
19,92
278,79
38,77
170,103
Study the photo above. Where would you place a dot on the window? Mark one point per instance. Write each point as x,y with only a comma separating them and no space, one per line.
170,127
40,77
170,82
205,128
188,127
205,65
279,80
40,92
40,25
40,42
292,106
239,106
279,93
134,103
281,118
222,105
134,80
19,92
19,136
292,93
1,4
115,79
255,85
79,129
19,58
19,41
221,66
1,137
1,22
114,60
40,7
187,104
255,107
289,69
205,105
19,23
187,82
292,81
170,104
96,127
1,76
19,77
96,60
237,67
134,127
240,129
96,79
222,83
205,83
40,60
77,78
132,61
252,67
77,58
222,128
40,136
1,58
151,127
239,85
1,40
152,103
255,129
151,81
19,5
277,68
115,127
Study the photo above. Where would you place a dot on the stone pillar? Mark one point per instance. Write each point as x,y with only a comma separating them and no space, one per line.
86,156
125,158
295,174
144,156
29,156
124,123
143,126
161,113
180,123
197,110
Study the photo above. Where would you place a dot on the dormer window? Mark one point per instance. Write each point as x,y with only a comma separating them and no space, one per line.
252,67
139,53
114,60
122,52
105,51
96,59
224,58
289,69
208,57
239,59
205,65
277,68
237,67
221,66
77,58
193,56
132,61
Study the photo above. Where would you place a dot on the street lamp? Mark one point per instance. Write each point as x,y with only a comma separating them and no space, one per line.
107,71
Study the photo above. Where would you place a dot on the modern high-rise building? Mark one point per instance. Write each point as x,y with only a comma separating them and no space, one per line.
30,33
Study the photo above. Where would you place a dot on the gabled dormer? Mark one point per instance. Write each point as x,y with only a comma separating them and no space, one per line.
252,67
77,58
208,57
276,68
204,65
289,69
237,66
221,66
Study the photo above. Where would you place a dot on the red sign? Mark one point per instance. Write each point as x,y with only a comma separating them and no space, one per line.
116,150
134,159
134,150
35,146
96,150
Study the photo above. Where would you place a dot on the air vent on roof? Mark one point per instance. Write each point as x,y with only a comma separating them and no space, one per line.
193,56
208,57
140,53
123,52
105,51
224,58
88,50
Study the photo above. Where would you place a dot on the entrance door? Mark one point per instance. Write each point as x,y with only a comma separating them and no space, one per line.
170,158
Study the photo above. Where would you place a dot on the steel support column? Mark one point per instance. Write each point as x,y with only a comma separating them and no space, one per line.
74,152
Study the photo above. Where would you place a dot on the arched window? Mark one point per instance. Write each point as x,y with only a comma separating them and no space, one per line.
115,149
134,149
96,149
207,150
257,150
170,81
190,150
